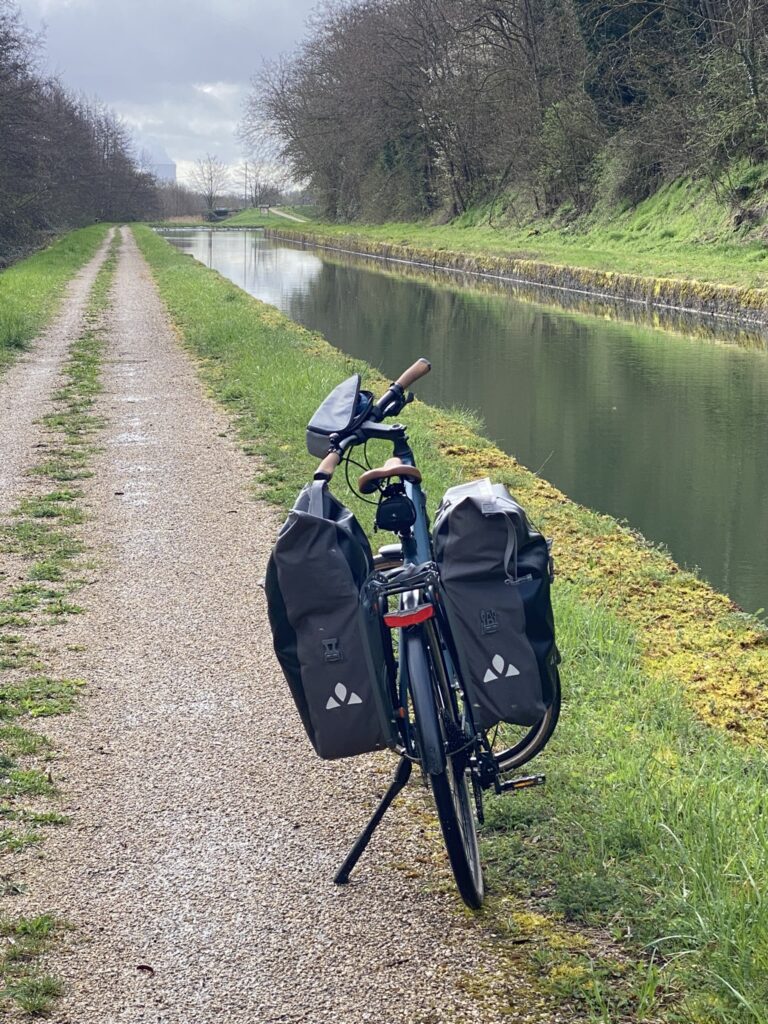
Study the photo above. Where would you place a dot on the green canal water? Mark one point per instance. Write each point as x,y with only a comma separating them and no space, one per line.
664,431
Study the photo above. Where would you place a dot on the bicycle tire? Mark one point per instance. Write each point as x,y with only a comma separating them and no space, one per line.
535,739
447,777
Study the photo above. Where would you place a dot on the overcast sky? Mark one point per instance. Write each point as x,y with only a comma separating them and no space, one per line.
176,71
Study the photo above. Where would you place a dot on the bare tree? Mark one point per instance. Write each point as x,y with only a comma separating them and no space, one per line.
63,162
210,178
263,175
400,108
176,200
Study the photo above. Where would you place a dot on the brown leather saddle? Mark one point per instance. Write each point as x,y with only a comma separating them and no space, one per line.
369,481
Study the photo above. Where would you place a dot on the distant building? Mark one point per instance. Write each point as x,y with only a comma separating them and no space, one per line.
164,171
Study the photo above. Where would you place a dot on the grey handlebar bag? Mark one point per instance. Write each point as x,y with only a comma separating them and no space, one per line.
495,572
328,634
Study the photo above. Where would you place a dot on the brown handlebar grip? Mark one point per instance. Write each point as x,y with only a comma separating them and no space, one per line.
419,369
328,465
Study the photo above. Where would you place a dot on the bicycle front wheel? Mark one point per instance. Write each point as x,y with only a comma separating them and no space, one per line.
440,741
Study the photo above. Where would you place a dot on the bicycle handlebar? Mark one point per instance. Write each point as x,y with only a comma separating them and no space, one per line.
326,468
389,404
419,369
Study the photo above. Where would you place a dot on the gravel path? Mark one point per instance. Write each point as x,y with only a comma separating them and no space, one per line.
288,216
26,387
197,871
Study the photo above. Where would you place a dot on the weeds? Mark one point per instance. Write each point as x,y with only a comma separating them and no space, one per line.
31,290
26,939
42,536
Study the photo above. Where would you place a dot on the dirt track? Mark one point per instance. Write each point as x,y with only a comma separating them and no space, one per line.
197,869
26,388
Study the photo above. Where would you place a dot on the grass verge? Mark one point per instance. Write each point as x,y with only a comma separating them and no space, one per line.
650,835
681,231
31,290
43,542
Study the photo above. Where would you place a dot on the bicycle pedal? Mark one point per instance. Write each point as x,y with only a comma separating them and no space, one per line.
526,782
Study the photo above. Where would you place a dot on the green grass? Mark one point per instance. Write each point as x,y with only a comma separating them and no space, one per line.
14,841
38,696
652,827
15,653
255,219
31,290
25,939
681,231
41,536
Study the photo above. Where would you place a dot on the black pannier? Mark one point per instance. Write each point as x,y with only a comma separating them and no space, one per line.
496,572
328,635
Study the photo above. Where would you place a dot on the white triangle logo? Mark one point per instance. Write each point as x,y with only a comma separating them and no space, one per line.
499,669
342,696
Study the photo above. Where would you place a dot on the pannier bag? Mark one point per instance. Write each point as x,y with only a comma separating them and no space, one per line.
328,635
495,573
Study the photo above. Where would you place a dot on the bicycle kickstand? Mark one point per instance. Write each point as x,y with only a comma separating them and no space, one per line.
402,775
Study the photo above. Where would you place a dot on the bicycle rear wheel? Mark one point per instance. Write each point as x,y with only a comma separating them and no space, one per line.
440,737
515,745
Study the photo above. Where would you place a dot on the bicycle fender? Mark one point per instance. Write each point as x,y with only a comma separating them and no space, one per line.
425,712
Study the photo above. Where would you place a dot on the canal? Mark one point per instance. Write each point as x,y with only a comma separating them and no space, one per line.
665,431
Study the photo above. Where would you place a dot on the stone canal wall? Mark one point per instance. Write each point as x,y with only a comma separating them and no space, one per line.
741,305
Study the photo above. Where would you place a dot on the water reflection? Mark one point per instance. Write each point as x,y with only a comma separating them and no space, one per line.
663,431
274,274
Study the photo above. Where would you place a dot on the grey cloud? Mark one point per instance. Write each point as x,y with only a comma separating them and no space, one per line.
145,58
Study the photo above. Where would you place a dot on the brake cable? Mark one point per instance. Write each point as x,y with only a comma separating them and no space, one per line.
347,460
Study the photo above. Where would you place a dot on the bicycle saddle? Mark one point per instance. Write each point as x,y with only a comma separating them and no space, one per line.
368,482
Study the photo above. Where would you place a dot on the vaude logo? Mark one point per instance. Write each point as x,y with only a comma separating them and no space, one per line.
498,671
342,697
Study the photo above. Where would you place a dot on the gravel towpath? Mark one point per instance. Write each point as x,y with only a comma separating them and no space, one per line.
197,869
26,387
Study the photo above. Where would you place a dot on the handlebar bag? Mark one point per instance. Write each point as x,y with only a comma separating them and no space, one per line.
341,412
328,634
495,572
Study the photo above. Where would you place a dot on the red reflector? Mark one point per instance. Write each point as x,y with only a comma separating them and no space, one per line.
396,620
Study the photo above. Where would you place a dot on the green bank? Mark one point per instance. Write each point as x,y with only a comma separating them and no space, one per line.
682,230
631,886
680,248
30,291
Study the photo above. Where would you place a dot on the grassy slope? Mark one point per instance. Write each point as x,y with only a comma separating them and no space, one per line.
649,828
30,291
681,231
248,218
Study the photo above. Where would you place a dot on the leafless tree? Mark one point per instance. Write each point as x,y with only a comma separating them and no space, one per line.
63,162
408,107
210,178
176,200
263,174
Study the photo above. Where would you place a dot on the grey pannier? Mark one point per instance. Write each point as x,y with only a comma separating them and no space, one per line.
328,635
495,571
